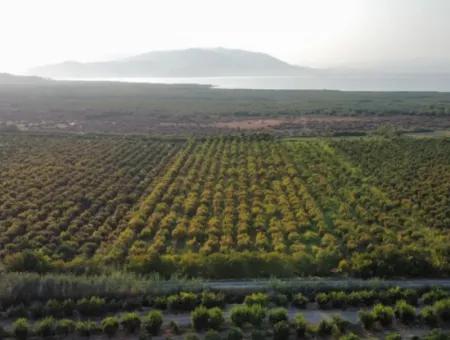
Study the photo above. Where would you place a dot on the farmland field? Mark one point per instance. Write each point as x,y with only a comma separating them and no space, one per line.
225,207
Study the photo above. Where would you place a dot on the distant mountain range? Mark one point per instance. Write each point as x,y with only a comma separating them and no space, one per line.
194,62
6,78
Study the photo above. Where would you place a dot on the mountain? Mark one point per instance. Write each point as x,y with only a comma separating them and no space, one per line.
7,79
194,62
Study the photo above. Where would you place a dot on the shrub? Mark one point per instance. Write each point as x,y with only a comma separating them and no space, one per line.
216,319
340,324
235,333
191,336
393,336
37,310
280,300
173,326
405,312
212,335
437,334
53,307
91,307
257,299
45,327
253,314
434,295
367,319
278,314
428,316
152,322
110,325
383,314
258,334
210,299
442,309
86,328
200,317
349,336
3,332
300,325
322,299
183,301
281,330
299,300
21,328
160,302
325,328
67,307
64,327
338,299
130,322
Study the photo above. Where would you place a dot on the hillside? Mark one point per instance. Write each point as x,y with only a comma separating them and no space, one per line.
194,62
8,79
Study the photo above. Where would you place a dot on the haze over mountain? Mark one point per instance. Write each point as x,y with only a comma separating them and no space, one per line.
193,62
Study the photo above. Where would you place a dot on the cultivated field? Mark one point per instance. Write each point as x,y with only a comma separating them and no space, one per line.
223,207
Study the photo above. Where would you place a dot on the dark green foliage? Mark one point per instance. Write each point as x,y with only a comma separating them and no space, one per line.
183,301
323,300
442,308
383,314
86,328
325,328
65,327
277,314
200,317
91,306
299,300
130,322
242,314
152,322
300,325
216,318
212,299
191,336
393,336
281,330
349,336
280,300
21,328
405,312
234,333
261,299
212,335
428,316
45,327
258,334
367,319
434,295
437,334
110,326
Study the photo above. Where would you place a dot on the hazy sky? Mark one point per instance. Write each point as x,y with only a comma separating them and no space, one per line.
319,33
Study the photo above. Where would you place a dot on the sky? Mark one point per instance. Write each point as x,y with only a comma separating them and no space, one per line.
390,34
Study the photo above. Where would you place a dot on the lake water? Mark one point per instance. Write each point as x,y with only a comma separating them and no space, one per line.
345,83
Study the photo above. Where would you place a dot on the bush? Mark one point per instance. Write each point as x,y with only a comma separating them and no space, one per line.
21,328
53,307
152,322
235,333
322,299
200,318
210,299
434,295
325,328
68,307
212,335
160,302
191,336
91,307
257,299
258,334
216,318
383,314
86,328
437,334
428,316
442,309
300,325
183,301
173,326
278,314
405,312
110,326
130,322
340,324
64,327
367,319
338,299
349,336
45,327
280,300
299,300
243,314
281,330
37,310
393,336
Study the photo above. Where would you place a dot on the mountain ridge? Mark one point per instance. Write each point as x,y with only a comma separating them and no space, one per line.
192,62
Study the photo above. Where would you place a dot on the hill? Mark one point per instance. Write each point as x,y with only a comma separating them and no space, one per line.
7,79
194,62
